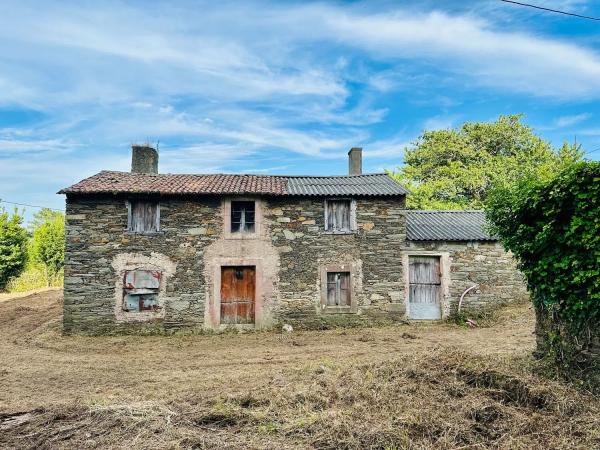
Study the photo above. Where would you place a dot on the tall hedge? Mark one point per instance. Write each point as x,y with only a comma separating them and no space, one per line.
552,226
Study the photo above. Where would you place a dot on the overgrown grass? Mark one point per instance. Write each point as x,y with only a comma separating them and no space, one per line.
34,277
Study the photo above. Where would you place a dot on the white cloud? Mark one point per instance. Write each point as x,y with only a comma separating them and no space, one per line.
567,121
439,123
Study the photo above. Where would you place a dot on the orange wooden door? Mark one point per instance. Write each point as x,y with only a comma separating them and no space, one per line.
238,286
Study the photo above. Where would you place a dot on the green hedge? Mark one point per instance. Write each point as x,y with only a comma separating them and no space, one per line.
553,229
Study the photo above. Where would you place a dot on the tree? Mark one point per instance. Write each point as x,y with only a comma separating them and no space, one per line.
551,223
47,245
13,246
455,168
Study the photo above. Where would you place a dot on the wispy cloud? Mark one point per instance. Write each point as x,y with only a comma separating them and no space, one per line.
567,121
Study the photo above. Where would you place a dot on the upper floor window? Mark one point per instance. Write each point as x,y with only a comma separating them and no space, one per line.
339,216
144,216
243,216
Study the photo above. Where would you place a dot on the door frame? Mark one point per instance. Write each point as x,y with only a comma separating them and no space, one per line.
214,307
444,278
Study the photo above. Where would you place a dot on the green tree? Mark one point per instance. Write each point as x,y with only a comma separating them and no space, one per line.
47,246
455,168
13,246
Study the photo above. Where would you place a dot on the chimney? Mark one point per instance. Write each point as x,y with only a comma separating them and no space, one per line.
355,161
144,159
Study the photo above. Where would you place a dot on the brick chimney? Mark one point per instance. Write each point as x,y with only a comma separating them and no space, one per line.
144,159
355,161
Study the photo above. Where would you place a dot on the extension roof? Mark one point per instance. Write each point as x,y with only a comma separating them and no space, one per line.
111,182
466,225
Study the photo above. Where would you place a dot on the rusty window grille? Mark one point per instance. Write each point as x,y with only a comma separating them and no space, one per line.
140,290
242,217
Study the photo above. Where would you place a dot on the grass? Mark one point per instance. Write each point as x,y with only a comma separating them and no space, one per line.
34,277
408,386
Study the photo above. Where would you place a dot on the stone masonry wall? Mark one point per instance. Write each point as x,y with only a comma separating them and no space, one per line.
96,238
297,232
290,249
484,263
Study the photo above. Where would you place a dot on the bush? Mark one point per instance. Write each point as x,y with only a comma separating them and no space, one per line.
552,226
13,246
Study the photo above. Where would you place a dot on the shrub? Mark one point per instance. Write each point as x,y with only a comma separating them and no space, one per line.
13,246
552,226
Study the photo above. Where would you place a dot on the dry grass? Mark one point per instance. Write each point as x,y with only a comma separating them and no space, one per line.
409,386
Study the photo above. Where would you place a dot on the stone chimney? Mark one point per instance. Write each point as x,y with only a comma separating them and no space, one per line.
355,161
144,159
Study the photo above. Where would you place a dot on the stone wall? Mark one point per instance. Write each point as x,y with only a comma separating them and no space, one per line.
96,240
486,264
289,251
373,252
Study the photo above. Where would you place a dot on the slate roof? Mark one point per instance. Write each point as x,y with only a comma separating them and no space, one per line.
111,182
446,226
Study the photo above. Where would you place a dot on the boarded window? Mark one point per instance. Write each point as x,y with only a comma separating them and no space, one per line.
242,217
338,215
338,288
140,290
143,216
425,287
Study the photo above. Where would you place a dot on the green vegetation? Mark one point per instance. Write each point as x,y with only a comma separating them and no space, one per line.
31,259
13,246
551,223
455,168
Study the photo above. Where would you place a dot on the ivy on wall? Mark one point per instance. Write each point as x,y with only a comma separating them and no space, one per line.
552,226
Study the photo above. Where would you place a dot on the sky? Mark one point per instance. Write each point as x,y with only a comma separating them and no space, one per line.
276,87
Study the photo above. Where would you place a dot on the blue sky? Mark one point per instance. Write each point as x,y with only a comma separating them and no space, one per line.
276,87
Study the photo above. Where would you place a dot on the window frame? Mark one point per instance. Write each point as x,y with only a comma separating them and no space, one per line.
129,204
351,215
243,214
226,218
335,309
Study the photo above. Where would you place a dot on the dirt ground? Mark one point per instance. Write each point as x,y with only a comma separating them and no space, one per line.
405,386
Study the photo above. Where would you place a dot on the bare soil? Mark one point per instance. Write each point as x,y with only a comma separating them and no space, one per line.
406,386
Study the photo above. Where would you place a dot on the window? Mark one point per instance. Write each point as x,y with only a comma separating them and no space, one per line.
338,289
144,216
242,217
339,216
140,290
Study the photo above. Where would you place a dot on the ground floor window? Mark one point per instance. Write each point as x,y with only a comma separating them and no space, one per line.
338,288
140,290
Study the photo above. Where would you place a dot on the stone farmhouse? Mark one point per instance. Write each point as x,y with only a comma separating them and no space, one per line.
148,251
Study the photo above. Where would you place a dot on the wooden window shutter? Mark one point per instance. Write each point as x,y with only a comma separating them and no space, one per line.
143,216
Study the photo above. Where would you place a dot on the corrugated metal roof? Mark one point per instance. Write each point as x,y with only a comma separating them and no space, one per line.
111,182
377,184
446,226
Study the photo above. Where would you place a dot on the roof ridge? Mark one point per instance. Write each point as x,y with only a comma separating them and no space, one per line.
246,174
430,211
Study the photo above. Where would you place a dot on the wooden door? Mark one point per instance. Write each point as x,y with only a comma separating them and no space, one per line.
425,288
238,285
